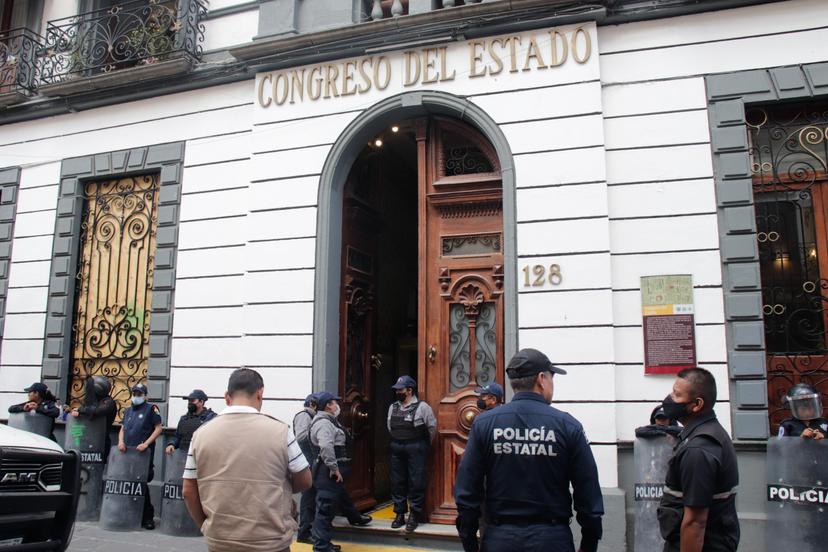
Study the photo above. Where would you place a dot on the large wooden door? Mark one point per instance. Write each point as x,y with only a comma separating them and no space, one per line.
361,222
461,284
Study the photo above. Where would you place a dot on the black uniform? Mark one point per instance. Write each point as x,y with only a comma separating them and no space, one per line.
793,427
187,425
410,442
520,461
101,407
47,408
139,422
703,473
307,504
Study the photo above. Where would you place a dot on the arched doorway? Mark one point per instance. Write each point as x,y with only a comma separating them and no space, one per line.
420,287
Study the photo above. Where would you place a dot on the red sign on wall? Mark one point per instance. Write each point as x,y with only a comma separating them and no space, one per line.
669,323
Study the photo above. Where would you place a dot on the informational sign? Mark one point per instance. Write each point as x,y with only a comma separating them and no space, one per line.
669,323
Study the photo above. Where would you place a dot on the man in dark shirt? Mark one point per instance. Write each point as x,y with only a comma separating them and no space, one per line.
520,460
489,396
698,509
197,415
41,401
97,403
140,428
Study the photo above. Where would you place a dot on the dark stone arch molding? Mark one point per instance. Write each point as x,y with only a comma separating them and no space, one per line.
329,215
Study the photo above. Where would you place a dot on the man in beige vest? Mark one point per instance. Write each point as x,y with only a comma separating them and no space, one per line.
242,470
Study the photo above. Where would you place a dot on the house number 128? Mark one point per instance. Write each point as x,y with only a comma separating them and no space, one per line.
536,276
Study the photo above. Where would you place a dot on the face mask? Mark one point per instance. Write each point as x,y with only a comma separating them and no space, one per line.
191,408
481,404
337,411
138,401
674,410
400,396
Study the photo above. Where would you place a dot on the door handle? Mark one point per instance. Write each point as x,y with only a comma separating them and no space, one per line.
432,354
376,362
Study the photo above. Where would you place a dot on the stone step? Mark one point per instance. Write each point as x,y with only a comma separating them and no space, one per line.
428,536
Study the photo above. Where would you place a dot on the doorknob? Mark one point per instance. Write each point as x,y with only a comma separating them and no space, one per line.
432,354
376,362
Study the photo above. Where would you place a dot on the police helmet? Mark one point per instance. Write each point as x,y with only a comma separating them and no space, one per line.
804,401
101,386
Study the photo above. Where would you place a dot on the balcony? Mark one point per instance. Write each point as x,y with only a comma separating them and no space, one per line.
18,65
383,9
134,41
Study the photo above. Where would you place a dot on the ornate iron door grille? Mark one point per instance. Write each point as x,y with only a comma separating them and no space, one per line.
789,153
114,285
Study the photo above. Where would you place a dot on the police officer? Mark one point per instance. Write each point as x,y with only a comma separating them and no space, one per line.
698,509
413,427
489,396
97,403
307,505
520,460
40,400
807,421
140,428
197,414
331,447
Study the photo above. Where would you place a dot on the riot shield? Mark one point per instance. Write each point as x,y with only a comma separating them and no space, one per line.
651,454
124,489
33,422
88,437
175,519
797,494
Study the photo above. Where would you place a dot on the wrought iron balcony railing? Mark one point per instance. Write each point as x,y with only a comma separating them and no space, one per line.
18,61
138,32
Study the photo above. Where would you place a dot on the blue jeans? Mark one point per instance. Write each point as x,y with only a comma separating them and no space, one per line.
527,538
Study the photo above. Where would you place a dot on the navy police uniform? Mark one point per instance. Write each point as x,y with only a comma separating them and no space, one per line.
702,472
520,461
98,403
412,427
190,422
792,427
45,407
139,422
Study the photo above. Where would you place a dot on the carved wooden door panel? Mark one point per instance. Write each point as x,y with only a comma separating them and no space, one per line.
357,322
461,271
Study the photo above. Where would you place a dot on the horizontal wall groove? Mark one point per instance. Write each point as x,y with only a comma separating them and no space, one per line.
23,188
263,152
290,208
49,235
552,118
529,88
199,307
565,327
712,41
573,290
197,337
658,146
221,135
268,240
207,164
560,185
37,210
562,254
201,192
654,113
308,117
278,178
295,302
663,181
677,215
701,250
222,217
208,247
209,276
557,150
279,334
30,260
267,270
44,286
563,219
701,286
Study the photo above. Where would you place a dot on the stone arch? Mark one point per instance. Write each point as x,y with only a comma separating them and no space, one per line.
329,215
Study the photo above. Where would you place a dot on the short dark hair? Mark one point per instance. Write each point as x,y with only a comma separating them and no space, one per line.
246,380
526,383
702,383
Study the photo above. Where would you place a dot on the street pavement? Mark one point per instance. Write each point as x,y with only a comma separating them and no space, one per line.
89,537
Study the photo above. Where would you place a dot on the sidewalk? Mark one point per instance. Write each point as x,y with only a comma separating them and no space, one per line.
89,537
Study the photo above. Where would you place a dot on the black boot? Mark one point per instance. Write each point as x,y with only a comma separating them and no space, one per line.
361,520
413,522
399,521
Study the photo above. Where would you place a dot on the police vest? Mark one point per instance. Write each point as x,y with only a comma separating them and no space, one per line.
138,424
304,442
724,498
402,424
342,452
187,426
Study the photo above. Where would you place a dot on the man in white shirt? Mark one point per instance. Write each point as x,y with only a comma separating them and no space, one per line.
241,471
